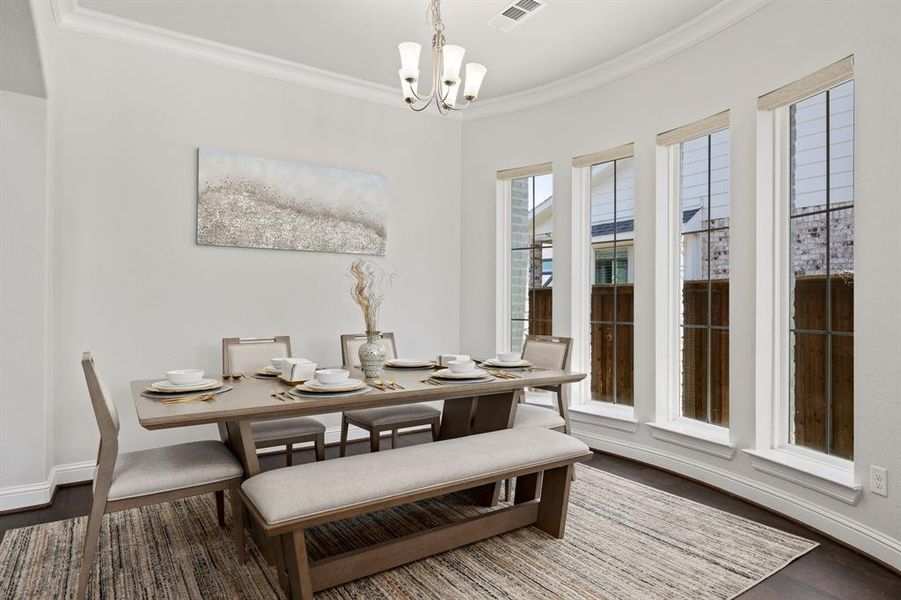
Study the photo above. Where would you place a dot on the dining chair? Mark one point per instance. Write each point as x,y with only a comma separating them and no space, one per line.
247,355
385,418
144,477
546,352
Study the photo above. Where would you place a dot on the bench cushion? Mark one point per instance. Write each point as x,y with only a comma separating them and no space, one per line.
388,415
314,488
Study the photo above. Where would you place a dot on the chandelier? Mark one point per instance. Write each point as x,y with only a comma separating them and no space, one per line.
446,62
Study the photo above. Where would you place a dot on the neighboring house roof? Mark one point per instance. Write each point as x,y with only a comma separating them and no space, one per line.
600,229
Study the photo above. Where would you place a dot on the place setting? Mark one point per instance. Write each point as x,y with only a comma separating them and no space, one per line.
326,383
410,363
185,385
459,371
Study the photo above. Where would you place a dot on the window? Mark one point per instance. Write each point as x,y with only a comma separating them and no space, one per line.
821,272
531,257
704,276
611,315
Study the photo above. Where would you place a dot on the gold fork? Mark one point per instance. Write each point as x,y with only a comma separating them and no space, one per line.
202,398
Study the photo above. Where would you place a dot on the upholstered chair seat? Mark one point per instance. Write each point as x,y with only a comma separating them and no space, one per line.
279,429
531,415
386,415
170,468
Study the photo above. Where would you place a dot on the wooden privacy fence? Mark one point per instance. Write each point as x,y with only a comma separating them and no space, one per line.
609,363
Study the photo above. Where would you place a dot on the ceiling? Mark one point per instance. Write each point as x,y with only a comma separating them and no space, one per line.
359,38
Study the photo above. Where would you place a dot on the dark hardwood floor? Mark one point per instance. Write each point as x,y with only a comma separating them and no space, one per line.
829,571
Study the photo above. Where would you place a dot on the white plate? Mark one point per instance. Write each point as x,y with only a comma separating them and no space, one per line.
302,393
269,372
409,363
204,384
347,386
493,362
448,374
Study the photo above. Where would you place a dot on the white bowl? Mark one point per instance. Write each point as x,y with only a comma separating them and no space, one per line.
278,363
184,376
461,366
332,376
508,356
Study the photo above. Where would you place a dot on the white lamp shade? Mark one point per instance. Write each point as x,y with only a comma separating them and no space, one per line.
453,60
450,92
409,59
475,73
407,87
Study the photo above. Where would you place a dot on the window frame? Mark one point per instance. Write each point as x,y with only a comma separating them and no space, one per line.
582,277
503,247
773,449
669,424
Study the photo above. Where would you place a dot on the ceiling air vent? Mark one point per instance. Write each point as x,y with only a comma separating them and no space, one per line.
515,13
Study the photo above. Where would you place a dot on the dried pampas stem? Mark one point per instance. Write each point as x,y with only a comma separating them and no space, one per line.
371,284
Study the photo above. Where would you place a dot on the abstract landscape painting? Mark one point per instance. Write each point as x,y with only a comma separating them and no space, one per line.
253,202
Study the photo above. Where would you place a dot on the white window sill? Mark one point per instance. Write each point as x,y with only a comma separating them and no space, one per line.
688,433
831,477
612,416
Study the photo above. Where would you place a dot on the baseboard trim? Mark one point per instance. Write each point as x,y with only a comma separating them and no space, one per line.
39,495
862,538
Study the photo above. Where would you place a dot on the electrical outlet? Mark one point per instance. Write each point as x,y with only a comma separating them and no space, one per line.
878,480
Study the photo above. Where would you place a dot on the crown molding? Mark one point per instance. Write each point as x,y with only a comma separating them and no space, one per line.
69,15
717,18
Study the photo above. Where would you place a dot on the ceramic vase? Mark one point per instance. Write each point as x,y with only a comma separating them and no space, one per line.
372,354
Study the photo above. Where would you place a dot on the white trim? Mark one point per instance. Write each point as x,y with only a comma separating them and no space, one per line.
818,475
857,535
667,290
503,216
603,414
69,15
689,433
39,494
709,23
580,280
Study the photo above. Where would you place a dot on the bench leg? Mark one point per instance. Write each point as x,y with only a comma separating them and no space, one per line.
527,487
395,441
281,565
374,439
554,501
295,548
220,507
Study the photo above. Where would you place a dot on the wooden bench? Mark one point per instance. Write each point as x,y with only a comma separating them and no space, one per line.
285,502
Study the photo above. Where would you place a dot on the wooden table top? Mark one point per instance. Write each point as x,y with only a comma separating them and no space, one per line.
250,399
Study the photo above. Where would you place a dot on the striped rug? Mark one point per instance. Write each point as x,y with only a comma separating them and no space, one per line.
624,540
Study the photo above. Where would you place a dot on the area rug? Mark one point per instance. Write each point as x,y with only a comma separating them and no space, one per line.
624,540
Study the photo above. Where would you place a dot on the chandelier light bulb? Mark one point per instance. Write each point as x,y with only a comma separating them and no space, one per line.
453,60
409,59
475,73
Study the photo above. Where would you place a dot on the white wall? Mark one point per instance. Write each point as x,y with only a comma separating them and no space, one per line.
774,46
25,417
130,283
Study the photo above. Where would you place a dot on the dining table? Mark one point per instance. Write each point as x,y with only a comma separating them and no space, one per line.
468,407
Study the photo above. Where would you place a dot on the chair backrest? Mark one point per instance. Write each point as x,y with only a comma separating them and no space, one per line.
547,351
104,408
241,355
350,347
